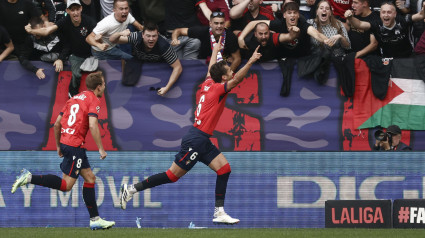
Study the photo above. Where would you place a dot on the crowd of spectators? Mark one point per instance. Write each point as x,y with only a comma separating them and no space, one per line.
76,31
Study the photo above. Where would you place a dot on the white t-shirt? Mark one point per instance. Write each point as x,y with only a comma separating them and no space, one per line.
108,26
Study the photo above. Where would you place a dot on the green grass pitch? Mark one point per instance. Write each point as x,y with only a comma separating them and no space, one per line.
207,233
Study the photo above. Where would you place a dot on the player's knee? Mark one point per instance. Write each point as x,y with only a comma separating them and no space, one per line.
173,178
224,170
90,179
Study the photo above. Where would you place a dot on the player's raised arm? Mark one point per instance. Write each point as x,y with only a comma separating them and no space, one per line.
213,60
240,75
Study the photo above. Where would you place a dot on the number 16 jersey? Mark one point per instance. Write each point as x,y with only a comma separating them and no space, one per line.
211,99
75,117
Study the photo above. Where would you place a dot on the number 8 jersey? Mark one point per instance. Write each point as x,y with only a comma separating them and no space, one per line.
75,117
211,98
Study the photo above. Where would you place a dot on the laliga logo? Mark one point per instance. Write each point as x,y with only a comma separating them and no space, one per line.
68,131
364,215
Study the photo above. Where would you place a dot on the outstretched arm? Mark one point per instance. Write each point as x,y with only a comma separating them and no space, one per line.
96,40
240,75
177,70
313,32
237,11
176,33
9,48
292,35
120,37
205,10
138,26
216,49
94,129
420,15
43,31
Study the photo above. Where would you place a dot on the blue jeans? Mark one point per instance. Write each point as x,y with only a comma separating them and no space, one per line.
113,54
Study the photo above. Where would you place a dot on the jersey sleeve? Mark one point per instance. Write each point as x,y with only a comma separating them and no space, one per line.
63,109
94,108
101,27
131,18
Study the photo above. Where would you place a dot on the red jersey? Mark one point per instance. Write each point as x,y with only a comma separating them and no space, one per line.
211,100
75,117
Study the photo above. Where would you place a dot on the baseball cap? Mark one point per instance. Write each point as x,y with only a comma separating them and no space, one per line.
394,129
70,2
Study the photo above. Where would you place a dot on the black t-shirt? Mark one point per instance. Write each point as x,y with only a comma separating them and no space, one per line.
268,52
240,23
360,38
202,33
162,51
4,38
394,42
15,16
74,36
297,48
180,14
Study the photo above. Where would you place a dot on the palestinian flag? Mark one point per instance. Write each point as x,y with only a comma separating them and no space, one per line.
404,104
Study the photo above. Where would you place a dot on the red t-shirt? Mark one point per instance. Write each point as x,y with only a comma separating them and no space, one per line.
340,6
211,99
75,117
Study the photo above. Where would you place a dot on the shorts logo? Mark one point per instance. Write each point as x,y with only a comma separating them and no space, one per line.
77,172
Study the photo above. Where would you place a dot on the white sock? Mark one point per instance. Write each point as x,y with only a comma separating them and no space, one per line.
218,209
132,189
95,218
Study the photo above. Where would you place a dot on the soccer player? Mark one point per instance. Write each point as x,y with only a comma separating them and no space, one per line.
196,145
77,116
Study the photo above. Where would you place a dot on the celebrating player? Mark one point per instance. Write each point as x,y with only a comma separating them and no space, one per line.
196,145
76,117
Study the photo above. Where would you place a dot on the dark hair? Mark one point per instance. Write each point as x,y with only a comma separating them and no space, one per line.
35,21
291,6
260,23
115,2
217,14
368,1
388,3
94,79
217,70
150,26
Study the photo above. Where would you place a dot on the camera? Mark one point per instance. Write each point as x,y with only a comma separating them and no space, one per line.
382,136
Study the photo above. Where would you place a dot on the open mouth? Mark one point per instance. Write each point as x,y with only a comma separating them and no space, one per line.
323,17
386,21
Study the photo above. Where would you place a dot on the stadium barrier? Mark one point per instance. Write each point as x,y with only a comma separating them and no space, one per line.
266,189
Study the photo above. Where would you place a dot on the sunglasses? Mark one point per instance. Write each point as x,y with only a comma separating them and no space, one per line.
217,14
